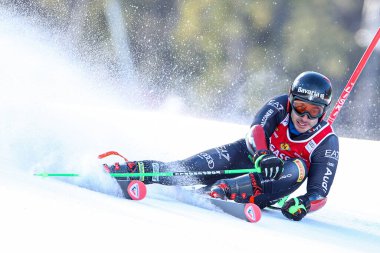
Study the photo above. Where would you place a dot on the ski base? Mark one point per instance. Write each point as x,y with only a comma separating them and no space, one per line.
132,189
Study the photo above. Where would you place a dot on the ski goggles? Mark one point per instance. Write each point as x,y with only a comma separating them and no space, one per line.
312,111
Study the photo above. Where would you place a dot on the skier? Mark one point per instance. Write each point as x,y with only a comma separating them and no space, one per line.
288,142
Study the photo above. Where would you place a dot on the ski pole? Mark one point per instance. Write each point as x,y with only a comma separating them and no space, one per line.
186,173
160,174
354,77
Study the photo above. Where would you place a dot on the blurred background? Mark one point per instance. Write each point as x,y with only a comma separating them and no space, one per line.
219,59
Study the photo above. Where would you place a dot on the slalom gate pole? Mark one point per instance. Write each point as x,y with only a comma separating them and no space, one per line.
354,77
338,106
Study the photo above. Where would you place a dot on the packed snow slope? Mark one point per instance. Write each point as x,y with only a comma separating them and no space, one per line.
57,118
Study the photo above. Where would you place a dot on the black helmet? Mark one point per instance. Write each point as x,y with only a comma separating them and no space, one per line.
311,87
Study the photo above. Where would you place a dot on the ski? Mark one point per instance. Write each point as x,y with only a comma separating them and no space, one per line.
136,190
245,211
132,189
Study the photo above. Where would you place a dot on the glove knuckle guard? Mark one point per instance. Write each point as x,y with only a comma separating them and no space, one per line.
296,208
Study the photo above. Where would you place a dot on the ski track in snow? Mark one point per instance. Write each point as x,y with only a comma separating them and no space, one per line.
54,120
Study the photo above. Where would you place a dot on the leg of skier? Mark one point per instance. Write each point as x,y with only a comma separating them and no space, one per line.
230,156
260,190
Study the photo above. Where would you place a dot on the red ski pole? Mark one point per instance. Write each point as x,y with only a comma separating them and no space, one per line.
354,77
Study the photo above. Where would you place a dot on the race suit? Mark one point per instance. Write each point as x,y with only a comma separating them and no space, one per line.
318,149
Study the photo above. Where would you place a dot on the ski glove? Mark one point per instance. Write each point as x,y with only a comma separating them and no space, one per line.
269,165
241,189
296,208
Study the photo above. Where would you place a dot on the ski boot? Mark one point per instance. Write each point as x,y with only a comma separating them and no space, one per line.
131,186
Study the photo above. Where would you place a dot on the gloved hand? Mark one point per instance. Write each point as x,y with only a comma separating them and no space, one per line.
296,208
241,189
270,165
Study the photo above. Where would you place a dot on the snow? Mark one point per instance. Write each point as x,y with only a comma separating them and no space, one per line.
53,120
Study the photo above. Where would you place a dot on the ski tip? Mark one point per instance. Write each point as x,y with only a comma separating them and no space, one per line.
252,212
136,190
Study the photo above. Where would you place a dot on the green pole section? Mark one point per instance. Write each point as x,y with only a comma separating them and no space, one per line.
44,174
242,171
147,174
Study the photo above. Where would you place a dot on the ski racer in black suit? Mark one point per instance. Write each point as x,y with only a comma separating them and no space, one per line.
295,143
